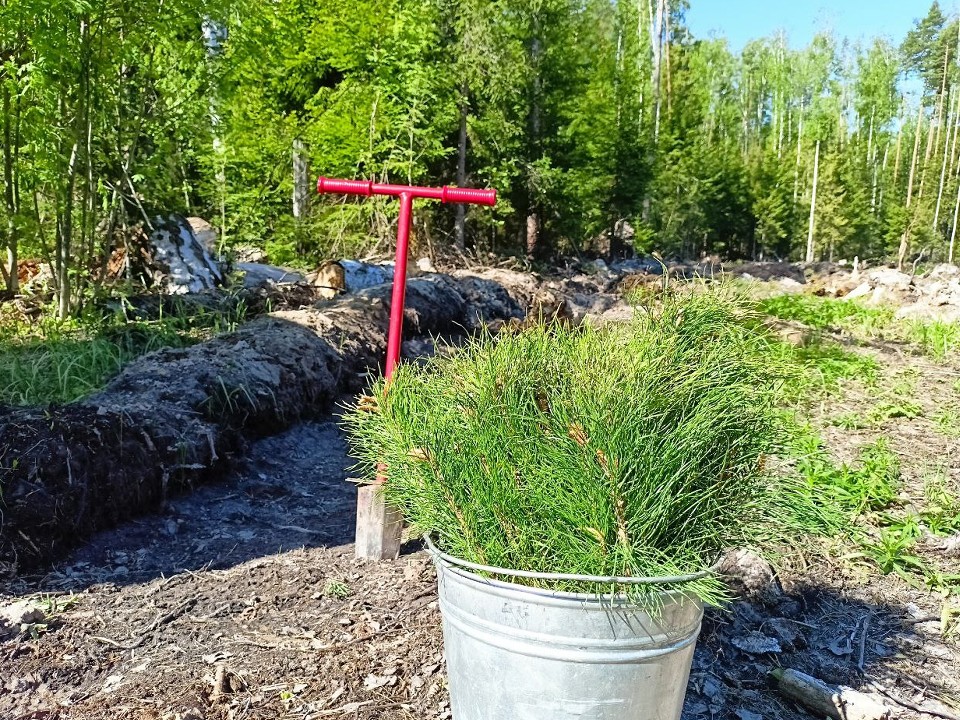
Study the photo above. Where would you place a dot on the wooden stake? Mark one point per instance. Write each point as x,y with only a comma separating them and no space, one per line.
378,525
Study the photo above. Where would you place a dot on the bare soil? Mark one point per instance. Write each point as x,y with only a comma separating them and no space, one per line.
178,416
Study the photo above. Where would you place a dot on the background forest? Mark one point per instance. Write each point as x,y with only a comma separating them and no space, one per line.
590,117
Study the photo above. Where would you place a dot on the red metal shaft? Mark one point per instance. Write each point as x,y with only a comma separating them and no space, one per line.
406,193
399,284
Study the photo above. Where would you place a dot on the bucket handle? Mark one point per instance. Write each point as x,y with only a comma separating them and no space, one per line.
602,580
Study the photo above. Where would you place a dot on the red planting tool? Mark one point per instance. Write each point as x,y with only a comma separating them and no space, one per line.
406,193
378,526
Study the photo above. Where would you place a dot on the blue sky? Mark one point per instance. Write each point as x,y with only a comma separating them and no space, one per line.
743,20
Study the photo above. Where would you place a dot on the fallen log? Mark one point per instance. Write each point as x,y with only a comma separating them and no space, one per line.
840,703
177,416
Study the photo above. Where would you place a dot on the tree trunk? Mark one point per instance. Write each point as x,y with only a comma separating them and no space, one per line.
953,231
460,226
896,161
951,141
533,232
301,180
916,150
904,245
11,274
64,238
796,167
943,165
813,204
533,217
656,43
926,160
666,54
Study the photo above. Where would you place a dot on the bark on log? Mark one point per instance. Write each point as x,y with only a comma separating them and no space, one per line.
840,703
175,417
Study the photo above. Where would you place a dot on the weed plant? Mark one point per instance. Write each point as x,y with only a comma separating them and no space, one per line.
933,338
937,339
634,450
54,361
846,491
829,314
820,368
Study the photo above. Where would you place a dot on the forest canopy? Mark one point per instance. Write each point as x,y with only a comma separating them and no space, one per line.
599,121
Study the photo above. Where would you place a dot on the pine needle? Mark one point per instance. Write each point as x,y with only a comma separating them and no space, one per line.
630,450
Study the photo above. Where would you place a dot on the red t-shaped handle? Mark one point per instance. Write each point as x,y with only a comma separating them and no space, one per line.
406,193
445,194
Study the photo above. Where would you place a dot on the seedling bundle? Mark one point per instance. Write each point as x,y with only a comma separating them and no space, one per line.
621,450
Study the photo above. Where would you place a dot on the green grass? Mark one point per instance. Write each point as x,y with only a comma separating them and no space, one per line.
62,361
934,338
941,510
828,313
861,504
947,421
826,365
623,450
847,491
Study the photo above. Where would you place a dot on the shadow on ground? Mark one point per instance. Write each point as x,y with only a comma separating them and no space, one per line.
828,635
289,491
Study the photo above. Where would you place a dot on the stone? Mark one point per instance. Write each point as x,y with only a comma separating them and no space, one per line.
16,615
257,275
205,234
944,270
749,575
756,643
889,277
786,633
860,290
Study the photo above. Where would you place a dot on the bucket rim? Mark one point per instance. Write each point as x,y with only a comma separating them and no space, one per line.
465,567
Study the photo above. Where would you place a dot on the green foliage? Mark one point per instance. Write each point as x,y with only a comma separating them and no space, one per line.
891,550
112,113
934,338
62,361
635,450
948,421
827,364
336,589
941,512
845,491
937,339
829,314
926,45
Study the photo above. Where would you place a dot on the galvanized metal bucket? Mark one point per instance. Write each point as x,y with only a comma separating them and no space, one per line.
521,653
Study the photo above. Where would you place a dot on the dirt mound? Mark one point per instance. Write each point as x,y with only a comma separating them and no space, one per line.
176,417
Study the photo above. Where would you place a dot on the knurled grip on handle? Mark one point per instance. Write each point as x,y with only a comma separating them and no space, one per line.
468,195
347,187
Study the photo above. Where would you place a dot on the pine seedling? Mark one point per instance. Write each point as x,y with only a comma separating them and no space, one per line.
622,450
